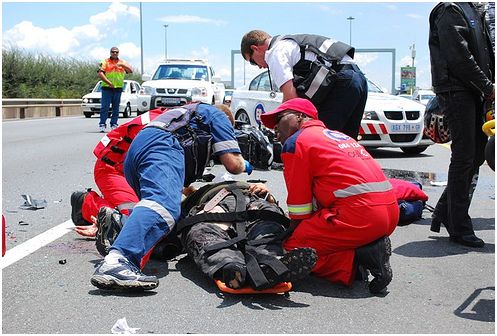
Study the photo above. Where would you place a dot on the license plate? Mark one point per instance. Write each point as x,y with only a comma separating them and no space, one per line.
171,101
405,128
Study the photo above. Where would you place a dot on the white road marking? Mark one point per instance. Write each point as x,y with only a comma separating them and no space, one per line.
22,250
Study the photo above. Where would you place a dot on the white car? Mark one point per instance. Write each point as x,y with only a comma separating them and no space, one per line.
388,121
131,100
181,81
423,96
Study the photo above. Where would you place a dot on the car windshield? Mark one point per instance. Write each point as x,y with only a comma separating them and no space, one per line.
372,87
181,71
98,87
427,96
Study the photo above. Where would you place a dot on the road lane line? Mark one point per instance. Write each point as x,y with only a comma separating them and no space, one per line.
22,250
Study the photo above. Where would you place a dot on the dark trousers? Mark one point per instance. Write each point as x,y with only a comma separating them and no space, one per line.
110,96
202,235
342,110
464,113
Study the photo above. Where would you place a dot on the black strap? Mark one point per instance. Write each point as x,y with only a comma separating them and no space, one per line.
116,149
108,161
127,139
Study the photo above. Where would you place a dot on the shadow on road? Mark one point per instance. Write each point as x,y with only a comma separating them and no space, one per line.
438,247
479,306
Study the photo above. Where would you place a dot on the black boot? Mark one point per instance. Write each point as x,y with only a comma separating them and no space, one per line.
109,225
375,257
77,199
234,274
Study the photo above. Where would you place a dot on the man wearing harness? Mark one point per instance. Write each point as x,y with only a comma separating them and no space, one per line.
169,153
340,202
234,232
108,173
315,68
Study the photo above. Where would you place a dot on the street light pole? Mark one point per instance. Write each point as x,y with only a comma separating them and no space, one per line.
350,18
141,39
165,41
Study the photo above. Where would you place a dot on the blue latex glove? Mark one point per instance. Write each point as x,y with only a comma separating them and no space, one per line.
248,167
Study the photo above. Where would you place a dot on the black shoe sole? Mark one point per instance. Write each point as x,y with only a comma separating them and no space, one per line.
460,241
299,262
103,282
378,284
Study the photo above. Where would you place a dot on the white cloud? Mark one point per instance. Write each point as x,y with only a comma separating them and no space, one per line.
407,61
363,59
70,41
190,19
416,16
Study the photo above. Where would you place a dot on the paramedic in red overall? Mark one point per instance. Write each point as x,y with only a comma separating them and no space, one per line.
340,202
155,168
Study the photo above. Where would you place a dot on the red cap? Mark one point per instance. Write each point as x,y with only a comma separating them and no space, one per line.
295,104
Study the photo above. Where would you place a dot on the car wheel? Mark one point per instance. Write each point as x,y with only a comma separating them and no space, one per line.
242,117
414,150
127,111
88,114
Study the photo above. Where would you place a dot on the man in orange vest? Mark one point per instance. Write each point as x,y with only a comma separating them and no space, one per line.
339,201
111,72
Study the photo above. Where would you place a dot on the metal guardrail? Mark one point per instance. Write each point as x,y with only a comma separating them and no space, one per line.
27,108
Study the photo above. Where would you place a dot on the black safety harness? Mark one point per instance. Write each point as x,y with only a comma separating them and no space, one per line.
241,218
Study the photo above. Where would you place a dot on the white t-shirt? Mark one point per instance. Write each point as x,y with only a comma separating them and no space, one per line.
283,56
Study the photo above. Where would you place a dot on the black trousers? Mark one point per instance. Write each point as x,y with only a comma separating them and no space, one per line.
342,110
202,235
464,113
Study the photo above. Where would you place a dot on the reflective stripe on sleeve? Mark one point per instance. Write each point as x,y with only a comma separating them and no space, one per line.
363,188
299,209
225,145
163,212
316,82
326,45
145,118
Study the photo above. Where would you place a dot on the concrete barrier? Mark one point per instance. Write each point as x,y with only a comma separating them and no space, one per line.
40,108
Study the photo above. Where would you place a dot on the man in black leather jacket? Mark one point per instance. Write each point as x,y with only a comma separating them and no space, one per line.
462,66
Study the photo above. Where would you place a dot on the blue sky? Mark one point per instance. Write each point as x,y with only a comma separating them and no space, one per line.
210,30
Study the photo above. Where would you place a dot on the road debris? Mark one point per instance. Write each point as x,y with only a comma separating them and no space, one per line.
121,327
32,204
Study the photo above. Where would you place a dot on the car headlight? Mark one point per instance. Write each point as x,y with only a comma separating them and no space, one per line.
199,91
370,115
147,90
85,100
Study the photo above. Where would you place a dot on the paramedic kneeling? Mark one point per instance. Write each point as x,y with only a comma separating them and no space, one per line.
340,202
169,153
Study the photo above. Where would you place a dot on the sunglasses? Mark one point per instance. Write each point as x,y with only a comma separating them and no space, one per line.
114,52
281,116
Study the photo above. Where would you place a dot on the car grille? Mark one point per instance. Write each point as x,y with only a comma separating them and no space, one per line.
402,137
393,115
412,115
172,91
370,137
94,100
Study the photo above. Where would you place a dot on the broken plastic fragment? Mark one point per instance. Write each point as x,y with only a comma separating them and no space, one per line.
32,204
121,327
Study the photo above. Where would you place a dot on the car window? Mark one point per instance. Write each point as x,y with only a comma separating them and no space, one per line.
373,87
181,71
133,88
125,86
98,87
264,84
254,84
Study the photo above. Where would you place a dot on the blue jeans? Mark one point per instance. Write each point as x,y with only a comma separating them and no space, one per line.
110,96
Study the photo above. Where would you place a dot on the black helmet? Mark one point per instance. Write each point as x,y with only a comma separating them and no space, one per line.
436,127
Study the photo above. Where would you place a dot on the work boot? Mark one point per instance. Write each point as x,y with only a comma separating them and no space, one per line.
77,199
234,275
299,262
109,225
375,257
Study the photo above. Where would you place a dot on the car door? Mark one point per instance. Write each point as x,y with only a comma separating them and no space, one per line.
265,97
133,95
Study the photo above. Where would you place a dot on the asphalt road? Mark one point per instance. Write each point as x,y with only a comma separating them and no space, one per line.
438,287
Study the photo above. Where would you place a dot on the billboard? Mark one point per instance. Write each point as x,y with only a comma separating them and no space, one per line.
408,78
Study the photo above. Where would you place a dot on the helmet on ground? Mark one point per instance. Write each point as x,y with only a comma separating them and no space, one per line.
436,127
